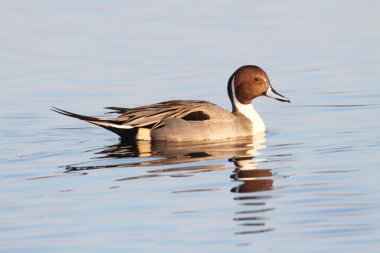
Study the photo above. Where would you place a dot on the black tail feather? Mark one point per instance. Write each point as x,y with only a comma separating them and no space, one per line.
74,115
123,133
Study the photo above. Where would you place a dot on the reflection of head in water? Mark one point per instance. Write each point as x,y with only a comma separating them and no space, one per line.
253,180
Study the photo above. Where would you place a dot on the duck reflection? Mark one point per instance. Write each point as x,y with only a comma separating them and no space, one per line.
254,183
147,154
253,189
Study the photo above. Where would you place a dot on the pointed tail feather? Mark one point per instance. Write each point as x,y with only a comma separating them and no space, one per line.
74,115
112,125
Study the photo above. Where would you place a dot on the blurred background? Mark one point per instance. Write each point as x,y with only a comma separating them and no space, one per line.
318,163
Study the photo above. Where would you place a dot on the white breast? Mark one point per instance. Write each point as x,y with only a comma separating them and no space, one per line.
250,112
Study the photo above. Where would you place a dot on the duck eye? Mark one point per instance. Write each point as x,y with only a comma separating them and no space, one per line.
257,79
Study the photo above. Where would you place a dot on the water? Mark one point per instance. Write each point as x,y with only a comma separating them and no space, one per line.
309,185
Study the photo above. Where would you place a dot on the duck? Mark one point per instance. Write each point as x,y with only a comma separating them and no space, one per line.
194,120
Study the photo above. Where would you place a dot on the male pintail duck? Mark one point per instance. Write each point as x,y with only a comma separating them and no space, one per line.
194,120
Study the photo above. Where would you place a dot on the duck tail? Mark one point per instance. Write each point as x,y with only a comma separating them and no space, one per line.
117,127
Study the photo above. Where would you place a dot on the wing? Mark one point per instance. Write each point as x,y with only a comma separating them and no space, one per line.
156,115
150,116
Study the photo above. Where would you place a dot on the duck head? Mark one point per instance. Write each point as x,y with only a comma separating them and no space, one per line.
249,82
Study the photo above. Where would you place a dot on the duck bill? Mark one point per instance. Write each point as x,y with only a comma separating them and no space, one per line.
274,94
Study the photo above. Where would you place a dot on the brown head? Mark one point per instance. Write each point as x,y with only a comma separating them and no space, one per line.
249,82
